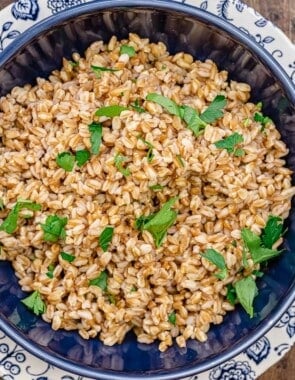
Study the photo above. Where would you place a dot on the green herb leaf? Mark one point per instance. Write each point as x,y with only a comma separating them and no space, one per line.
161,222
231,294
66,161
215,110
258,273
172,318
74,64
101,281
82,156
9,225
137,107
180,160
259,106
150,154
110,111
251,240
111,298
95,130
156,187
263,254
54,228
263,120
142,220
272,231
105,238
244,258
35,303
217,259
253,243
126,49
239,152
67,257
2,207
166,103
119,159
247,122
50,268
99,69
230,142
246,290
193,120
234,243
133,289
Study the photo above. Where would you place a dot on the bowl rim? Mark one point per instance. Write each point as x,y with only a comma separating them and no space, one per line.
166,5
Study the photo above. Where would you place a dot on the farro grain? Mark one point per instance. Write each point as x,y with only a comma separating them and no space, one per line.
218,194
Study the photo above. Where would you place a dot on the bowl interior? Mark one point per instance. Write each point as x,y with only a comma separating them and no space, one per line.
199,34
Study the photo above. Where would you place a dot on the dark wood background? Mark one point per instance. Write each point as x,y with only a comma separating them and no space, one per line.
282,13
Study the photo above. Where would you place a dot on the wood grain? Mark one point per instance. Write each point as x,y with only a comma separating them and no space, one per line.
281,13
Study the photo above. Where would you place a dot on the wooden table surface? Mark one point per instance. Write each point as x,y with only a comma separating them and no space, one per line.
282,13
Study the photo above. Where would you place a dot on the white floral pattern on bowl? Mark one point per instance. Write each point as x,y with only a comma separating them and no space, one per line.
15,362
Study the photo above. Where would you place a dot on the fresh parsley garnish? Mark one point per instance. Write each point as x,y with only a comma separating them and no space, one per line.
254,244
194,121
2,207
54,228
257,273
259,106
127,49
67,257
101,281
160,222
137,107
231,294
166,103
35,303
50,269
111,298
142,220
110,111
150,154
172,318
95,130
180,160
82,156
66,161
263,120
246,291
244,258
156,187
105,238
229,143
215,110
247,122
133,289
99,69
119,160
217,259
9,225
272,231
74,64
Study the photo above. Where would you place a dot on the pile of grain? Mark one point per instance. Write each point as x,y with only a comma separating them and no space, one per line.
218,194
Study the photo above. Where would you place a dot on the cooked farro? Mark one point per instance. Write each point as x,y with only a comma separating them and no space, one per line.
218,193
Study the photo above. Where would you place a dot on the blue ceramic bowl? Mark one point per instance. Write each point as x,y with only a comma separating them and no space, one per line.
36,53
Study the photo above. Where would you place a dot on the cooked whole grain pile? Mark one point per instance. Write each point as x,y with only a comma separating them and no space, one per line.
147,157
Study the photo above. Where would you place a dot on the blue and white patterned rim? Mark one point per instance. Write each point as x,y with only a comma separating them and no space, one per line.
15,362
